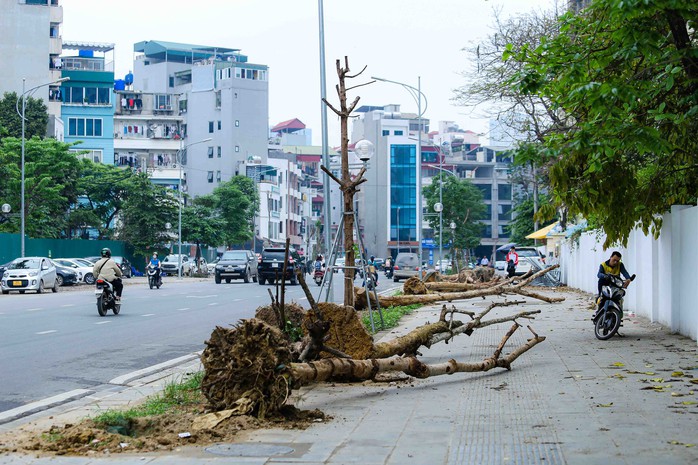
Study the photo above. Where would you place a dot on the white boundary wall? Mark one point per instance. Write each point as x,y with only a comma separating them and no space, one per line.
666,288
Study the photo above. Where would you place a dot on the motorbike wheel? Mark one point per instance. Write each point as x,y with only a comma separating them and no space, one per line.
101,308
606,326
116,309
150,282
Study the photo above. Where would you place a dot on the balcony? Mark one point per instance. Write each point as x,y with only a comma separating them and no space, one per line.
86,64
55,45
56,12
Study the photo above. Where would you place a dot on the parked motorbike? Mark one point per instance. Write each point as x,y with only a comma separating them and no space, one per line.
609,310
154,276
106,298
318,276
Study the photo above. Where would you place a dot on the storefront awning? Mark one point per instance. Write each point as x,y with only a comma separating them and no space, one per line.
542,233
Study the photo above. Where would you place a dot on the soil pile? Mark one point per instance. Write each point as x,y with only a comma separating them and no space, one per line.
294,313
414,286
346,332
483,273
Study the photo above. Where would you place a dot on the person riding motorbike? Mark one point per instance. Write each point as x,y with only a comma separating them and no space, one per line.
155,263
613,266
319,265
108,270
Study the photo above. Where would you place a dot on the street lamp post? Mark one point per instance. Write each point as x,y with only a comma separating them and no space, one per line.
417,95
22,115
179,188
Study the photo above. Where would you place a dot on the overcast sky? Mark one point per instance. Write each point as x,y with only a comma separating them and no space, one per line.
396,39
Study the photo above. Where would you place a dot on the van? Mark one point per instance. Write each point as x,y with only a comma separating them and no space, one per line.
406,266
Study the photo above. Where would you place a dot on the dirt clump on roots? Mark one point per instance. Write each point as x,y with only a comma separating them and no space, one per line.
157,433
414,286
483,274
242,368
347,333
294,314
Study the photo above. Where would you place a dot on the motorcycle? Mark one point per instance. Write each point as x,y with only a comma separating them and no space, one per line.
609,311
106,298
154,277
318,276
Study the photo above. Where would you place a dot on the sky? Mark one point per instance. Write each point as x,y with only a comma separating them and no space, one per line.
400,40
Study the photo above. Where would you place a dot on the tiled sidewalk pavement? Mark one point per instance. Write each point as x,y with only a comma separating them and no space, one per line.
570,400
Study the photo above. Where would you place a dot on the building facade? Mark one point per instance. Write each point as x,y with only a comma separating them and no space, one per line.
30,47
221,96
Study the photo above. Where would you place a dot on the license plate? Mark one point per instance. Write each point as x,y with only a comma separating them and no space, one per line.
274,265
17,283
98,292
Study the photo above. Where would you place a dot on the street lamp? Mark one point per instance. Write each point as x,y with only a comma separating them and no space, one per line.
22,115
180,153
417,95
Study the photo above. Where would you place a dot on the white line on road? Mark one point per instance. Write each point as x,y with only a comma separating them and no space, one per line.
202,296
237,300
34,309
149,314
68,305
102,322
213,303
182,309
48,332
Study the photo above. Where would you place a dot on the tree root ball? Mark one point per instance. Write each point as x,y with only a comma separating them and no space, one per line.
242,368
414,286
483,273
346,333
294,313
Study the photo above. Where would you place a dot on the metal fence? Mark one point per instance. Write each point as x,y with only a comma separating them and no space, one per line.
58,248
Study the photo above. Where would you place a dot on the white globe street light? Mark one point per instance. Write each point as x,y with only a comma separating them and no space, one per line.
364,149
6,208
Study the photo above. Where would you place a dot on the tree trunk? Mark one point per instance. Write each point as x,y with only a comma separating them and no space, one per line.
411,342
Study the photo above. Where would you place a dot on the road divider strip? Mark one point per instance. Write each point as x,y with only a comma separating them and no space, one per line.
130,377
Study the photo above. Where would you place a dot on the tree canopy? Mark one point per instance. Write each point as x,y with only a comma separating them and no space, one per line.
625,74
11,122
462,205
235,202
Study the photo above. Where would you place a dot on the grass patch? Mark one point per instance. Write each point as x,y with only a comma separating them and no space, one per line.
391,316
175,396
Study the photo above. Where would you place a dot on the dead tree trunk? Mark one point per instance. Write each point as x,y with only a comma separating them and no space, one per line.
346,184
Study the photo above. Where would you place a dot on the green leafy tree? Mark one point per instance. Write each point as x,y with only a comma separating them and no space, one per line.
626,73
36,114
104,190
201,223
522,223
462,205
51,177
145,214
233,202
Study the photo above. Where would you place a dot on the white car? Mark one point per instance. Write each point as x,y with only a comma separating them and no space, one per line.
170,263
82,267
29,274
443,265
529,259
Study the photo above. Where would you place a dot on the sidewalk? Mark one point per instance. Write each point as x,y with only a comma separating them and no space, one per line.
570,400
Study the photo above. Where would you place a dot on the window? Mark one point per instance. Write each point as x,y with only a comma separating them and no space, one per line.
171,81
486,190
504,191
218,102
210,177
87,127
503,231
210,127
237,148
162,102
237,123
504,212
103,96
74,95
88,95
398,133
94,155
210,152
182,106
218,176
219,125
386,132
219,151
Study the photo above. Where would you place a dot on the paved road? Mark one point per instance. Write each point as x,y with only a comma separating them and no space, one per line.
54,343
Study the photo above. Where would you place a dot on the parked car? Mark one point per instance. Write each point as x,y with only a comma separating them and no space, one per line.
66,276
406,266
443,265
3,268
170,263
272,263
237,264
82,267
93,259
212,265
124,264
339,263
29,274
529,259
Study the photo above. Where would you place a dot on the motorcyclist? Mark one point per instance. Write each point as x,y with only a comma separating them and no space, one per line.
108,270
319,265
155,263
613,266
372,268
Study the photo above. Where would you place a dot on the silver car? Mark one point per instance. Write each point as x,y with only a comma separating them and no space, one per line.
29,274
406,265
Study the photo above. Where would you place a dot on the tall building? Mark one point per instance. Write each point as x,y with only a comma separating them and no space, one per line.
221,96
30,47
88,99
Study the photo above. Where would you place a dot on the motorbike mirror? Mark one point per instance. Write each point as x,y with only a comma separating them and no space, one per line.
632,278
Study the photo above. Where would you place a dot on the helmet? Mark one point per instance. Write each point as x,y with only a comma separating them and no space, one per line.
373,257
106,252
155,254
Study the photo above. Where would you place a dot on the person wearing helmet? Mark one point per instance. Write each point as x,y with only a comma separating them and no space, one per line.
319,265
372,268
108,270
155,264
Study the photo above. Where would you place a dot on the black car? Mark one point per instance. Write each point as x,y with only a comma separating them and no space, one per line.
64,275
271,265
236,264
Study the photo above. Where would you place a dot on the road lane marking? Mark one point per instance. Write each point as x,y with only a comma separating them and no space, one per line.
48,332
102,322
202,296
149,314
183,309
213,303
68,305
237,300
34,309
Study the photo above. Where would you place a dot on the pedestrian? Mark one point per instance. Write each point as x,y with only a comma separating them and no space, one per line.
484,261
512,262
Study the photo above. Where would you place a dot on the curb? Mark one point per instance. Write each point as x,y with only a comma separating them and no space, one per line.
124,380
44,404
